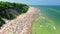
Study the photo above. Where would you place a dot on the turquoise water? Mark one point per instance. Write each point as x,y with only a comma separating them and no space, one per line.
49,20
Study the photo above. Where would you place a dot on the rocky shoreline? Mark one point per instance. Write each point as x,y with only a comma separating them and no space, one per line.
20,25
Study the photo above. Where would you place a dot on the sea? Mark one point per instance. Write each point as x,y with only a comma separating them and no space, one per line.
47,19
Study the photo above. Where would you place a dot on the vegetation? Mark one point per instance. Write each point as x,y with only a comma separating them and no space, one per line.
6,13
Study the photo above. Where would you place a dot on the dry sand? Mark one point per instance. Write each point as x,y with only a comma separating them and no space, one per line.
20,25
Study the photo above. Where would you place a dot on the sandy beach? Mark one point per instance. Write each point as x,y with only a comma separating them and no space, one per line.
20,25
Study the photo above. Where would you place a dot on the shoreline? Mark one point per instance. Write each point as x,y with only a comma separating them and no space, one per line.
21,19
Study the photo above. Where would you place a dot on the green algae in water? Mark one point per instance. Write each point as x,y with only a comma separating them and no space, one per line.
51,20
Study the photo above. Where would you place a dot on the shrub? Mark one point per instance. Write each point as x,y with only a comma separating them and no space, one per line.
11,10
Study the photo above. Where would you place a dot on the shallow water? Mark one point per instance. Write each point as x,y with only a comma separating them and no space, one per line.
47,20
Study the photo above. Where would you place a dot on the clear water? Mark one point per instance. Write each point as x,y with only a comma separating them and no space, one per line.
47,20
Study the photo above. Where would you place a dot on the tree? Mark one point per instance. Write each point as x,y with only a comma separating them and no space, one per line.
7,14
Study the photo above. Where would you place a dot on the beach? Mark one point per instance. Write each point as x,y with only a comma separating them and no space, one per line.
20,25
